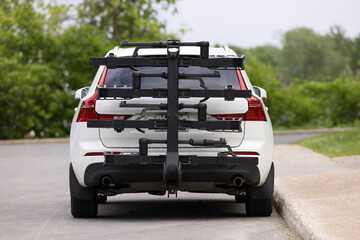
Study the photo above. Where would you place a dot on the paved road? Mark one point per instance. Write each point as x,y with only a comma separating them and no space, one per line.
35,205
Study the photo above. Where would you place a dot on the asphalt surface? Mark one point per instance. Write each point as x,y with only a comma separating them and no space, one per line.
35,204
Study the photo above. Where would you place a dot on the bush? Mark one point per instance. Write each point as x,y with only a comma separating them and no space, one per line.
315,104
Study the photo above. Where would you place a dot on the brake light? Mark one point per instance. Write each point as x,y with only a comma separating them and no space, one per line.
241,80
256,111
87,109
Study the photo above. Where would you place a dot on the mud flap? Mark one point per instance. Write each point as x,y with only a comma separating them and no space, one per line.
77,191
266,190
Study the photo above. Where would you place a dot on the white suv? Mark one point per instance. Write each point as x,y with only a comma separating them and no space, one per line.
119,144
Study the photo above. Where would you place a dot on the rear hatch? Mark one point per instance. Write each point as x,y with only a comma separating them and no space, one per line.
217,108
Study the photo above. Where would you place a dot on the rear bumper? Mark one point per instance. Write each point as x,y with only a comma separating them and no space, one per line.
84,140
154,173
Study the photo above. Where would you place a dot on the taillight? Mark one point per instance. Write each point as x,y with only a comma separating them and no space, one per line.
87,109
256,111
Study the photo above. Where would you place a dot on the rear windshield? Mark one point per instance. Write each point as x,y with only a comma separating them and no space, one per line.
122,77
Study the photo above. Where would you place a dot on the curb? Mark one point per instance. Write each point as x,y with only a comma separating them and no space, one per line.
297,225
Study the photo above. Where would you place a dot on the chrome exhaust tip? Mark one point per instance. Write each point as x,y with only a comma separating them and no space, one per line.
106,181
238,181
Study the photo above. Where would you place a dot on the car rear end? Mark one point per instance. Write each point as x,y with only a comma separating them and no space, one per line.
254,141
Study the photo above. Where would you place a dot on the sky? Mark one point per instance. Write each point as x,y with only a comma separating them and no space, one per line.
258,22
250,23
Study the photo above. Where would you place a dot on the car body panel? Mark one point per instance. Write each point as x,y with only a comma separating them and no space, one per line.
256,136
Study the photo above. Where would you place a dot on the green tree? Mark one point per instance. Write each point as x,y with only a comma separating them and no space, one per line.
32,96
44,57
308,55
355,56
126,19
267,54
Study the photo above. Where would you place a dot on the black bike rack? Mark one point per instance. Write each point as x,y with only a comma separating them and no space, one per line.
171,161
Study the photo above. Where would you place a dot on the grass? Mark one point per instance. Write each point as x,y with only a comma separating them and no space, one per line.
335,144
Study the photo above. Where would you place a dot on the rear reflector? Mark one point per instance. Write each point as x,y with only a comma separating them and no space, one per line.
101,153
246,153
94,154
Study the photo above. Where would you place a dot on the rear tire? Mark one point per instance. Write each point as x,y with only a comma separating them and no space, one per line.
258,207
84,202
84,208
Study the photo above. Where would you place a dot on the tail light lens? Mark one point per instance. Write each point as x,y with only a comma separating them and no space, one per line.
87,109
255,112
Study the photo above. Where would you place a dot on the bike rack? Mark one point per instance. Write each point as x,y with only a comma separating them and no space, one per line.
172,161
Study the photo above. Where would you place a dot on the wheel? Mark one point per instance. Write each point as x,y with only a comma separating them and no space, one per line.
240,199
101,198
84,208
84,203
258,207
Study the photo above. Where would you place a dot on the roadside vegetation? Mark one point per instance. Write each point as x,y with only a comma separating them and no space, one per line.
335,144
312,81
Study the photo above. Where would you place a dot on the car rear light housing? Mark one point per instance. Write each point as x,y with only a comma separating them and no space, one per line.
255,112
87,109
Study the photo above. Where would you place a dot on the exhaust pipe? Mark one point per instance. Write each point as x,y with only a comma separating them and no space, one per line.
238,181
106,181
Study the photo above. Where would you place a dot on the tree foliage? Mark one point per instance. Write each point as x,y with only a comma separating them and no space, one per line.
312,80
125,19
44,56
